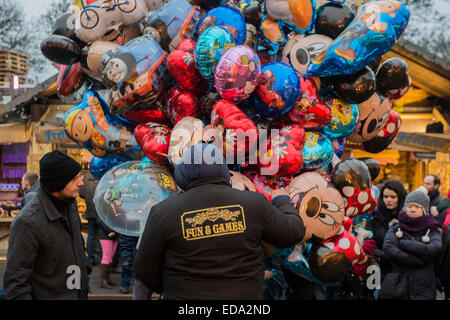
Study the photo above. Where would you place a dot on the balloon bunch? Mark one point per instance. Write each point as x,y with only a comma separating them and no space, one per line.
278,85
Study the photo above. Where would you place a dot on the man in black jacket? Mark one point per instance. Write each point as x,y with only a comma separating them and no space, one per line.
46,258
205,243
432,183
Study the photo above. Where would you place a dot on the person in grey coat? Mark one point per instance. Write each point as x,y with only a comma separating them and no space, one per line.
87,191
30,184
413,245
46,258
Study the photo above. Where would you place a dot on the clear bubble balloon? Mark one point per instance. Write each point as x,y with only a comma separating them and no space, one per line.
127,192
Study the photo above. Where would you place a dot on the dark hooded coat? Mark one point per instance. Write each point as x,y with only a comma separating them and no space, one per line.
205,243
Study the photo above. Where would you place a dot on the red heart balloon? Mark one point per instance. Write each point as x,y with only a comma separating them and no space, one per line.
154,139
147,114
181,66
238,131
311,112
283,157
182,104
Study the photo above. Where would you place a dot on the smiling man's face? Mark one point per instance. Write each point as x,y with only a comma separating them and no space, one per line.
82,126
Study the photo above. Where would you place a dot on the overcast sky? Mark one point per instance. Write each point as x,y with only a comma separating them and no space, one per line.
34,8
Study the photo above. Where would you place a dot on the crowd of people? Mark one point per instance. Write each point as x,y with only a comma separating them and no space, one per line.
405,237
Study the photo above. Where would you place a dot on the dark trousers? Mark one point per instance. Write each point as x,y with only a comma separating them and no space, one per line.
127,249
91,239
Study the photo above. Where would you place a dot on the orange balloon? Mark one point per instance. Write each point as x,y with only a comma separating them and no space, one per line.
302,12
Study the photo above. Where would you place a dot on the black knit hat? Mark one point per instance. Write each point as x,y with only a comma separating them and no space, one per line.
56,170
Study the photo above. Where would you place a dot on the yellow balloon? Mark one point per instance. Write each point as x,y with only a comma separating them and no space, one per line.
302,12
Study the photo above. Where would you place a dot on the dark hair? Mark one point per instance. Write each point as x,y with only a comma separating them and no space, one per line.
398,188
436,179
31,177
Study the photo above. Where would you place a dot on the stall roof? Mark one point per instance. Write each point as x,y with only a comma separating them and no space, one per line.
43,89
427,71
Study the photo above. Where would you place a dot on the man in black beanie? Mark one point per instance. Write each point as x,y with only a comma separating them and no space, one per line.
46,258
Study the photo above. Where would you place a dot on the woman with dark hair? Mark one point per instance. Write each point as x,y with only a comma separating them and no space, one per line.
390,202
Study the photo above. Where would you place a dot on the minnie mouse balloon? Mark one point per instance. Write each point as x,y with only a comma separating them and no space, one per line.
352,178
279,91
154,139
373,165
211,45
344,119
236,73
374,30
310,111
317,152
346,242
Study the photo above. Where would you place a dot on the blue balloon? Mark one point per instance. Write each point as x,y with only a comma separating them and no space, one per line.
298,265
344,119
339,145
317,152
372,33
229,18
178,16
279,92
211,45
99,166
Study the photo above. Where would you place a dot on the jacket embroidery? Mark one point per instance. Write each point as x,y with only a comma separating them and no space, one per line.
213,222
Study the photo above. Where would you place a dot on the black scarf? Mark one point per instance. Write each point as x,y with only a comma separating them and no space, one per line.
60,204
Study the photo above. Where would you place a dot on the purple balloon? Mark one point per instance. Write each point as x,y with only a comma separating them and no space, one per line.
236,73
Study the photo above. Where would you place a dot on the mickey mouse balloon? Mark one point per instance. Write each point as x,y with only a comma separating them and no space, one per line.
319,204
